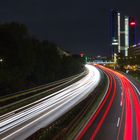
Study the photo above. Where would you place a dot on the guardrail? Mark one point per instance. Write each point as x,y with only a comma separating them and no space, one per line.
28,120
20,99
40,86
62,127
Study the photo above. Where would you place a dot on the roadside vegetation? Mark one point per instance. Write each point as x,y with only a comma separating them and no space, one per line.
26,62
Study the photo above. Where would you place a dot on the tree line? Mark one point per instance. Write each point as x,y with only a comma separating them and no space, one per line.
26,62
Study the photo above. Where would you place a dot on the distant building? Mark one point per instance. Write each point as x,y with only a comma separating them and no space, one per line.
134,54
134,51
122,34
114,31
132,31
119,33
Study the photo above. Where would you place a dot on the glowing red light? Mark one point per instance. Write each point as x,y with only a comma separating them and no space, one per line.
81,54
132,23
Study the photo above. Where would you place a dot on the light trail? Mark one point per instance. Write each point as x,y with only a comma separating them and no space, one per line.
128,104
131,99
26,121
105,114
136,107
123,109
97,112
128,117
130,93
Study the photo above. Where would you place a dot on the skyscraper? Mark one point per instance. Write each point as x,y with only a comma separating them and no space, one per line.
132,32
114,37
114,27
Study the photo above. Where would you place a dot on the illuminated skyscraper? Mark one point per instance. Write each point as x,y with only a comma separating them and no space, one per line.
132,32
114,27
126,24
123,33
115,33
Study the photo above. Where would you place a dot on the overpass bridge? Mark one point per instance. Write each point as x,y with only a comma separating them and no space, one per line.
101,62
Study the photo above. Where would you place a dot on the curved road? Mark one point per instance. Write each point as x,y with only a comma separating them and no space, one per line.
26,120
118,116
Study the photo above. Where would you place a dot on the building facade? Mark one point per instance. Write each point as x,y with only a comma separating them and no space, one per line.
134,51
134,54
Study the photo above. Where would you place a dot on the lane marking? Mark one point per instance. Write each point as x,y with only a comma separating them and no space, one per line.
121,103
106,112
82,132
118,122
121,99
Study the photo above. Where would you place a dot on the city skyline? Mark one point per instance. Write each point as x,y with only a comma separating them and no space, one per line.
81,26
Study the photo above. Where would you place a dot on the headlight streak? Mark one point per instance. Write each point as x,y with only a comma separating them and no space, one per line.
56,105
96,113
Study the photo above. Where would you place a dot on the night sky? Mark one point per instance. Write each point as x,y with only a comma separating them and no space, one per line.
76,25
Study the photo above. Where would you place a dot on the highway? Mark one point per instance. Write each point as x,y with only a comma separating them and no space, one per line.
31,95
21,123
118,115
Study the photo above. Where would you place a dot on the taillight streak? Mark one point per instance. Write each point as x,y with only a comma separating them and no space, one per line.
97,112
105,113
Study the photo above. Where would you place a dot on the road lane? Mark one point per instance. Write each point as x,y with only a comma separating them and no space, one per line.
94,125
27,121
119,116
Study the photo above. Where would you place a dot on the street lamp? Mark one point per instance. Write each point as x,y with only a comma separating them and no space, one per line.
1,60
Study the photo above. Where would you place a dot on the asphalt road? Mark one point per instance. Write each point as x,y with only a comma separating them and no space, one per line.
118,116
23,122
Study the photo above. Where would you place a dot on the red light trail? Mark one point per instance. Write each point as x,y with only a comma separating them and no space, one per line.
97,112
129,126
133,23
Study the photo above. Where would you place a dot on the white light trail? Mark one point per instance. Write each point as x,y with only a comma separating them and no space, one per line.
19,125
